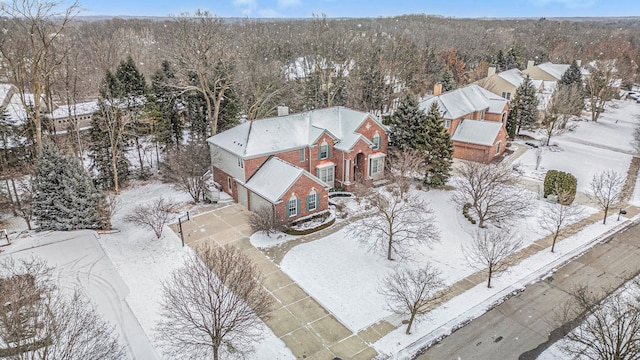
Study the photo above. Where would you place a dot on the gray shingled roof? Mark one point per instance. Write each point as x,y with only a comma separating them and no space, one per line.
477,132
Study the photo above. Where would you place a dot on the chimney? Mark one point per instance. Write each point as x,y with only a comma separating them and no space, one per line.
491,71
437,89
579,63
530,64
283,110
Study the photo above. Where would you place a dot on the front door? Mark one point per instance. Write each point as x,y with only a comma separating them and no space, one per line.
360,168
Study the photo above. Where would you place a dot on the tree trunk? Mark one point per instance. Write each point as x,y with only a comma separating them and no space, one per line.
553,245
413,316
389,249
114,167
606,210
489,280
140,157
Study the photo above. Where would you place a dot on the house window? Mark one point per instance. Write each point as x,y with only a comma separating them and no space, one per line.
377,141
376,167
498,144
313,201
229,185
326,174
301,155
506,95
292,207
323,151
240,162
481,114
447,123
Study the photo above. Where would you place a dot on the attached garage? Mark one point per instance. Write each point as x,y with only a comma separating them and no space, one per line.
242,195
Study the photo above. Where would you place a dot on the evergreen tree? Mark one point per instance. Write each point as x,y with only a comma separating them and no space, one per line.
572,76
162,107
130,81
512,123
513,59
448,81
525,104
408,125
439,149
501,62
229,110
64,197
571,85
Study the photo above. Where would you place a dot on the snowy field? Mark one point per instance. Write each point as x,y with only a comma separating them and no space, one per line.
122,272
590,148
320,266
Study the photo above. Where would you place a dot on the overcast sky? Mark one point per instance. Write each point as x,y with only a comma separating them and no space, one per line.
366,8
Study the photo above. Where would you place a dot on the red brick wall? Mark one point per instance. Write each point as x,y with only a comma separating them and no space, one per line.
368,133
335,156
301,189
480,153
221,177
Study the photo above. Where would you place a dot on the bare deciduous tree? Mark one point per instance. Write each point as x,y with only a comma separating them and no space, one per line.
599,86
405,166
566,101
606,189
40,322
213,305
154,215
265,219
399,220
186,167
413,292
32,30
555,217
610,328
492,249
489,188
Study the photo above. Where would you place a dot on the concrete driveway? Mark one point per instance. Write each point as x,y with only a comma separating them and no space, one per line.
308,329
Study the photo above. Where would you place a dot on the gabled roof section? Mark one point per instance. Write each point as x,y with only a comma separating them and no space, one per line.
555,70
84,108
464,101
477,132
514,77
278,134
275,177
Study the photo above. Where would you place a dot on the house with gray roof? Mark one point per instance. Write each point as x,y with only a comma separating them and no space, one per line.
475,118
290,162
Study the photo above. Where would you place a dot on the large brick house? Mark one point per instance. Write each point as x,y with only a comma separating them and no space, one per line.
290,162
476,120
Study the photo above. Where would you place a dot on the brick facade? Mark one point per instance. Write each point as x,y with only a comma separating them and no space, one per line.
480,153
300,190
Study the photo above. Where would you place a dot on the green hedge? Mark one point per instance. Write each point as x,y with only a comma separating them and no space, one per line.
560,180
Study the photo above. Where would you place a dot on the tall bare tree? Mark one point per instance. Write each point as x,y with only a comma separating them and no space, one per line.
413,292
212,306
490,190
399,221
185,167
39,321
566,101
606,190
492,249
32,30
203,58
609,328
599,86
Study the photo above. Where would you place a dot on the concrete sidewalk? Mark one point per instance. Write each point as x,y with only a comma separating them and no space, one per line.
308,330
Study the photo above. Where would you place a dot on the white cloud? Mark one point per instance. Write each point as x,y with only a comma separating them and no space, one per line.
570,4
248,6
269,13
288,3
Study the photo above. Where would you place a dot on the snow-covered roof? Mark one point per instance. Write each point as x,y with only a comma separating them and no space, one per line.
275,177
273,135
477,132
5,91
545,92
84,108
555,70
16,114
464,101
514,77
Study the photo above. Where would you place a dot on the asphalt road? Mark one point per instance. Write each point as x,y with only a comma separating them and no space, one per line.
523,326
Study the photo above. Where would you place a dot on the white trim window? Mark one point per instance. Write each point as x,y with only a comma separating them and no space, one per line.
447,123
240,162
506,95
327,174
323,150
292,207
312,201
376,166
377,141
498,145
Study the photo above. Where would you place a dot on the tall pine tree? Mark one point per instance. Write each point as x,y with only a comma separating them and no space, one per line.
163,104
439,149
525,104
64,197
408,125
448,81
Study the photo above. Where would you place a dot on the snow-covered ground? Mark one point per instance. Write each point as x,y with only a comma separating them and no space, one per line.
330,268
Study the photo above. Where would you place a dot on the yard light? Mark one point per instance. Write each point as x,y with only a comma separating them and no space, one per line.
622,212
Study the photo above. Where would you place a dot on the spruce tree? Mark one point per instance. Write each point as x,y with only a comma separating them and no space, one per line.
512,123
162,107
448,81
408,125
64,197
525,104
572,76
439,149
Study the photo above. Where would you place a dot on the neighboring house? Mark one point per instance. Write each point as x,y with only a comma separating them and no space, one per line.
476,120
274,161
546,71
79,114
507,82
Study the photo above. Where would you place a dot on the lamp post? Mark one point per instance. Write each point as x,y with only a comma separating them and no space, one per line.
621,212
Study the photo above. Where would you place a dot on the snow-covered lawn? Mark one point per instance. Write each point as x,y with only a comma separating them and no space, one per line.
590,148
330,268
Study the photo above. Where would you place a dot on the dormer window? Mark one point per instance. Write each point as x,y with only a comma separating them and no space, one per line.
447,123
323,151
377,141
240,162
